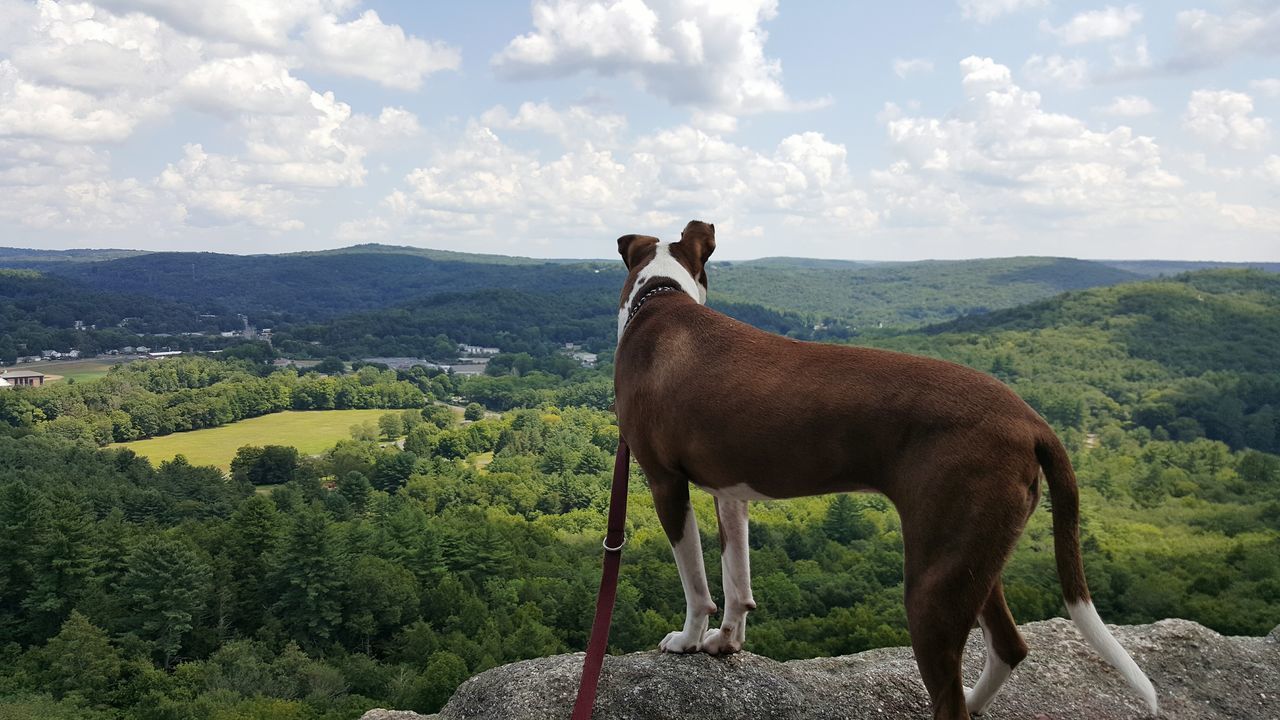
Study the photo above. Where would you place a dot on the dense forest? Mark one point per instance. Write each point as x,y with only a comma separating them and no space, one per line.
373,575
385,571
38,311
907,294
281,290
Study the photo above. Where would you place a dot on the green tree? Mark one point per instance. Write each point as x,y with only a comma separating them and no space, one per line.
253,534
392,470
391,426
331,366
308,579
163,593
422,440
78,660
381,596
845,522
366,431
20,511
270,465
355,487
473,411
62,565
438,415
429,691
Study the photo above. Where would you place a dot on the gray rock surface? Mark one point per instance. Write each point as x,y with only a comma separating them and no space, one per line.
1197,674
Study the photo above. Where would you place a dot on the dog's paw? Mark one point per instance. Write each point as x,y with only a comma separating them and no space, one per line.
721,641
678,642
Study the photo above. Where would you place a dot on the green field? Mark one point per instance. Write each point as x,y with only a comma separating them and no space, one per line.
78,370
311,432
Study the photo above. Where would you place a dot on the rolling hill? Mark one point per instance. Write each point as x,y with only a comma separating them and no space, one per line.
308,287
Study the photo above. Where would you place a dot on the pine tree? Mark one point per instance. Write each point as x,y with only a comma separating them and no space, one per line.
20,508
308,579
844,521
254,534
164,593
63,561
79,660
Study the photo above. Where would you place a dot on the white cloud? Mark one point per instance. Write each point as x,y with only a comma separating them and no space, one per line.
1224,118
705,55
984,11
1270,169
80,73
483,186
80,46
1110,23
1000,159
1130,60
51,186
573,126
266,25
214,190
392,128
368,48
257,83
1128,106
1055,70
1200,163
1267,87
29,109
1205,39
903,68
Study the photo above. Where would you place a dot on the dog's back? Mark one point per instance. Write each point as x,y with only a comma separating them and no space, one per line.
725,403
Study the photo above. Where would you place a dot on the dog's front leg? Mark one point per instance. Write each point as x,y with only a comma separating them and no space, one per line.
671,499
735,561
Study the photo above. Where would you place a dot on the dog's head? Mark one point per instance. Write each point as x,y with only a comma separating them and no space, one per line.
648,261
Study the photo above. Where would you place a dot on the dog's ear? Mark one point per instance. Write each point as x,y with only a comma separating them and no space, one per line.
701,237
633,248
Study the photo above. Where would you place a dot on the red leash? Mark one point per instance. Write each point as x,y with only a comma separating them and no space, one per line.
614,538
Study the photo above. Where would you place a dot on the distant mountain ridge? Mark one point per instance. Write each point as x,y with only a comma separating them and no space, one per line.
318,285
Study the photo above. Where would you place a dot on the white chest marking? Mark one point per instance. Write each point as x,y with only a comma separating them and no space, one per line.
741,491
663,265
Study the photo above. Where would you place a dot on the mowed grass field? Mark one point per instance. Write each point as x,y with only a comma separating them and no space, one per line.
78,370
311,432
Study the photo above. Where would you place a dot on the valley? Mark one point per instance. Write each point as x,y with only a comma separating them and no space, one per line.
336,527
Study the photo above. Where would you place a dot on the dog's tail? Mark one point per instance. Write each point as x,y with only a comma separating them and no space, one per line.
1065,498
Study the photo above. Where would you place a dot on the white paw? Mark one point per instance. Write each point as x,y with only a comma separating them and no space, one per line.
679,642
719,642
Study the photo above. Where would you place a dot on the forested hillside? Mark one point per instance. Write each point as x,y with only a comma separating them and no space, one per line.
38,311
309,287
385,571
1192,356
906,294
303,287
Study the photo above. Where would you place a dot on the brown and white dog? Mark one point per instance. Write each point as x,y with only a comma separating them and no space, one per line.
746,415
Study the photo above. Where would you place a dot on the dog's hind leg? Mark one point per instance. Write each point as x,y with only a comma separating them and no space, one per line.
952,565
735,561
941,607
671,500
952,562
1005,649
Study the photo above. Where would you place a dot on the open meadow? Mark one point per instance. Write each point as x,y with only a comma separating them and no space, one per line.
78,370
310,432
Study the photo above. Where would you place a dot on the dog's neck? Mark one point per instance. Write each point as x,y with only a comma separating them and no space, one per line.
663,285
662,270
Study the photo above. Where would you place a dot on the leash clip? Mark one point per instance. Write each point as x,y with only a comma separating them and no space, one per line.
621,542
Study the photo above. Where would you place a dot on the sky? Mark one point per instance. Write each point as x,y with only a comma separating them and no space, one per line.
868,131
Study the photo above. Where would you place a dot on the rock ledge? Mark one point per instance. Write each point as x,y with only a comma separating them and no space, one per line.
1197,673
